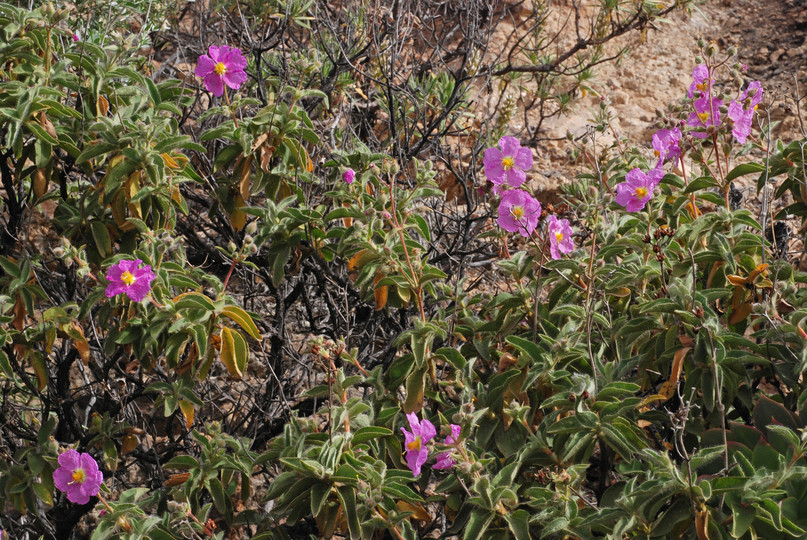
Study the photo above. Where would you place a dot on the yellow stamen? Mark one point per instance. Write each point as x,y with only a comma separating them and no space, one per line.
79,476
702,86
657,153
704,116
507,163
220,68
128,278
559,235
517,212
414,445
641,192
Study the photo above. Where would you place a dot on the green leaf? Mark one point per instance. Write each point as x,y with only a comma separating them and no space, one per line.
519,522
477,524
234,352
348,499
95,150
703,182
369,433
222,501
101,236
194,300
242,318
743,169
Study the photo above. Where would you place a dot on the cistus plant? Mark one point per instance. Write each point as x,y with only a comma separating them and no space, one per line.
334,305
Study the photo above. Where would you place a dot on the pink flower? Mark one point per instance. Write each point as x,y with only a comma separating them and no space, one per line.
741,117
75,36
560,236
707,113
416,451
348,176
126,277
519,212
700,82
222,66
507,165
637,188
78,476
444,460
665,144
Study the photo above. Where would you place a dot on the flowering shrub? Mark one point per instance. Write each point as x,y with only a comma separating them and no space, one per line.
627,362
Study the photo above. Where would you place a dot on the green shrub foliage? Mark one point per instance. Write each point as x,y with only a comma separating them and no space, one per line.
338,338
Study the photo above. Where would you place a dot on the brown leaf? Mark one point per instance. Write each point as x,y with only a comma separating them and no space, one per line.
418,512
380,292
177,479
128,444
45,123
244,172
40,183
102,106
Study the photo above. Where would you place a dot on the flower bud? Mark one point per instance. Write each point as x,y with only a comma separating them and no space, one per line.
699,59
711,50
231,247
732,51
252,227
701,44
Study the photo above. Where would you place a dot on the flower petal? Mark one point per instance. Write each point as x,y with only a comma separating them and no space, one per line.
493,165
234,79
214,84
509,146
235,60
516,177
204,66
219,54
523,159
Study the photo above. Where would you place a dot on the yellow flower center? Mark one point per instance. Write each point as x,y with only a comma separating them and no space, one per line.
507,163
517,212
704,116
414,445
641,192
559,235
127,278
220,68
702,86
79,476
657,153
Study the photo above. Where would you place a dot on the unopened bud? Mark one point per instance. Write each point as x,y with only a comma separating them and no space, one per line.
711,50
231,247
732,51
699,60
701,44
252,227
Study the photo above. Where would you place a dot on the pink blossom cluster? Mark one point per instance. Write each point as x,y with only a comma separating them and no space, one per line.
416,441
638,187
506,167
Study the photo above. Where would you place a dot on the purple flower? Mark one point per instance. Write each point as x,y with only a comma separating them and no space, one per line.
700,81
126,277
560,236
416,451
507,165
707,113
637,188
348,176
741,117
665,144
78,476
519,212
444,460
221,66
75,38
